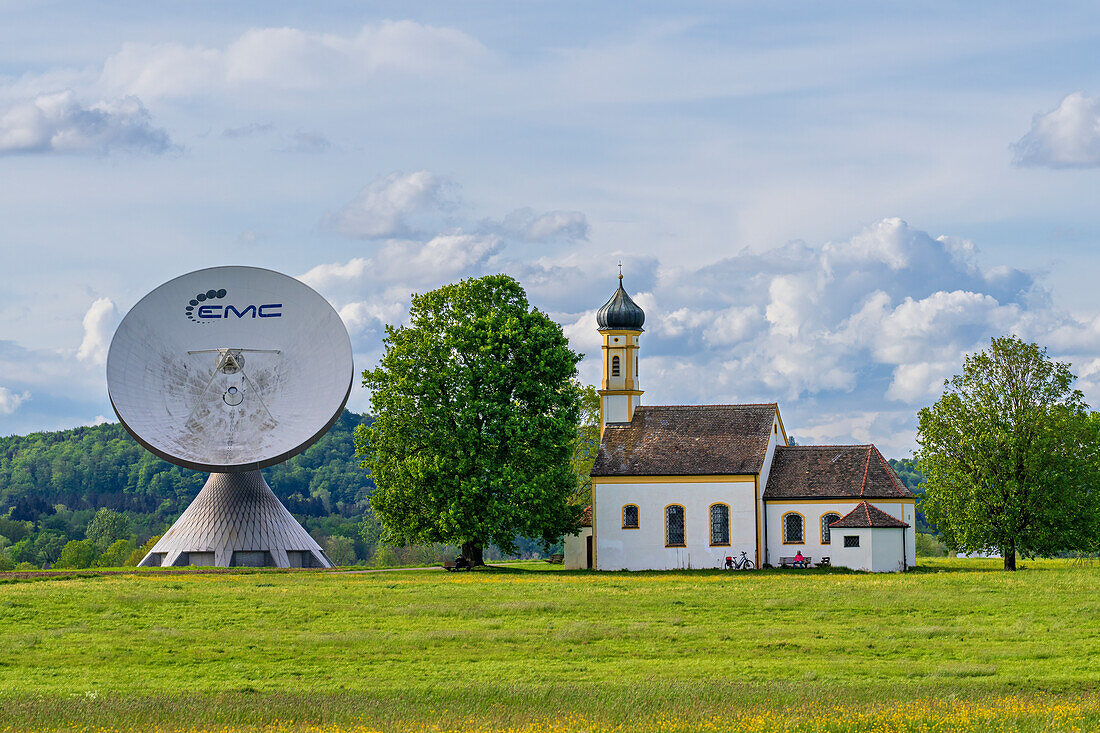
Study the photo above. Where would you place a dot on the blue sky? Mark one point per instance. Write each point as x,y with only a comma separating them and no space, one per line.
825,205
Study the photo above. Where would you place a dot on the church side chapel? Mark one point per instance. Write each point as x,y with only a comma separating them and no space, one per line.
688,486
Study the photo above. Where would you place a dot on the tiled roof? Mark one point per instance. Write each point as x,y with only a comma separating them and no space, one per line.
866,515
703,440
586,517
832,471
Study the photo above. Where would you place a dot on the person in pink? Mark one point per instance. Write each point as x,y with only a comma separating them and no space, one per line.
799,561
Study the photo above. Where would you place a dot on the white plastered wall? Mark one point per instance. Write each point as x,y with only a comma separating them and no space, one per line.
644,548
886,546
777,438
909,516
813,546
856,558
576,550
616,408
879,549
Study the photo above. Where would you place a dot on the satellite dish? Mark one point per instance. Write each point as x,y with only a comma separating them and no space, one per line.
230,370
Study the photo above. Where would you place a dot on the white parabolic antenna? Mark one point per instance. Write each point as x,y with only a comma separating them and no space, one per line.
230,370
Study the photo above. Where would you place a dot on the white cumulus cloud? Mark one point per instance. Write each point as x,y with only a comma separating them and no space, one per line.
532,227
396,205
10,401
60,123
99,324
1066,137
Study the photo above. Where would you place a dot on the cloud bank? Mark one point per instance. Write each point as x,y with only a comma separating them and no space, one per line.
290,59
851,336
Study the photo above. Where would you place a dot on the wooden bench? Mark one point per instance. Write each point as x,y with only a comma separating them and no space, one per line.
450,566
556,559
789,562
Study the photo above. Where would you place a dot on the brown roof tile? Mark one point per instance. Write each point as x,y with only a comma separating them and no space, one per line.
688,440
867,515
832,471
586,517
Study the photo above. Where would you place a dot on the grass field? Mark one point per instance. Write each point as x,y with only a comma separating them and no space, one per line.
956,645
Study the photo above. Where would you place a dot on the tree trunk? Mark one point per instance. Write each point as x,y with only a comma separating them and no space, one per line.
473,553
1009,552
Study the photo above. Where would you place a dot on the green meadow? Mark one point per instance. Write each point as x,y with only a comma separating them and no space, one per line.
955,645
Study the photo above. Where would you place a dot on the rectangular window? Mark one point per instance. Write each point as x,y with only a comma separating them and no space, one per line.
851,540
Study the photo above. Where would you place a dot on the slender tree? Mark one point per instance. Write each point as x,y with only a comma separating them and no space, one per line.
476,420
1011,456
107,526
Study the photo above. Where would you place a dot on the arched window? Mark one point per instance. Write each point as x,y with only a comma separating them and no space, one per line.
793,529
614,366
674,526
630,516
827,519
719,525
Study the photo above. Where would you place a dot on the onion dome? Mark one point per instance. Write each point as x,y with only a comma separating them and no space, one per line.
620,312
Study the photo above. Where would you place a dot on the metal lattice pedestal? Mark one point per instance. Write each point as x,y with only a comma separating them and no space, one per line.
237,521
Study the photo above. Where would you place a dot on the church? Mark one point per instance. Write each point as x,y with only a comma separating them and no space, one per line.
688,486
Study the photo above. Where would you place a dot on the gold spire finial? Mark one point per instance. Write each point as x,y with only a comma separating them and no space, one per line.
620,271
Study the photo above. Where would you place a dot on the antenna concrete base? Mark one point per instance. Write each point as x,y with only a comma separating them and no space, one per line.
237,521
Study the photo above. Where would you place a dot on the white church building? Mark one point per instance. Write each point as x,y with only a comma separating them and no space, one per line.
686,486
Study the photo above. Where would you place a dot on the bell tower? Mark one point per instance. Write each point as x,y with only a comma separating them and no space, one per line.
620,324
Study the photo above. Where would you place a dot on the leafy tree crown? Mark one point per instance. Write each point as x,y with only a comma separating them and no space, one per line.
476,420
1010,455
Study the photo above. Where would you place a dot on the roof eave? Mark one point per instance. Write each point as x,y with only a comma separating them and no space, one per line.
835,497
662,475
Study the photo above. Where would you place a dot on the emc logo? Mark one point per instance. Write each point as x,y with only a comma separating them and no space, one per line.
199,310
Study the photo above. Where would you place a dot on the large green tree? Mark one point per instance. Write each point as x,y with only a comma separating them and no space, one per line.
476,419
1011,456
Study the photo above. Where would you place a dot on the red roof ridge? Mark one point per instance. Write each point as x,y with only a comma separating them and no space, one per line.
872,517
890,472
866,466
828,445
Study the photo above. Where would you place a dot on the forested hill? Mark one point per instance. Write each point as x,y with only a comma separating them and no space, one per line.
52,484
907,471
88,468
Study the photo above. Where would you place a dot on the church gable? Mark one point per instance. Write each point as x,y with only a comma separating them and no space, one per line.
703,440
832,472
